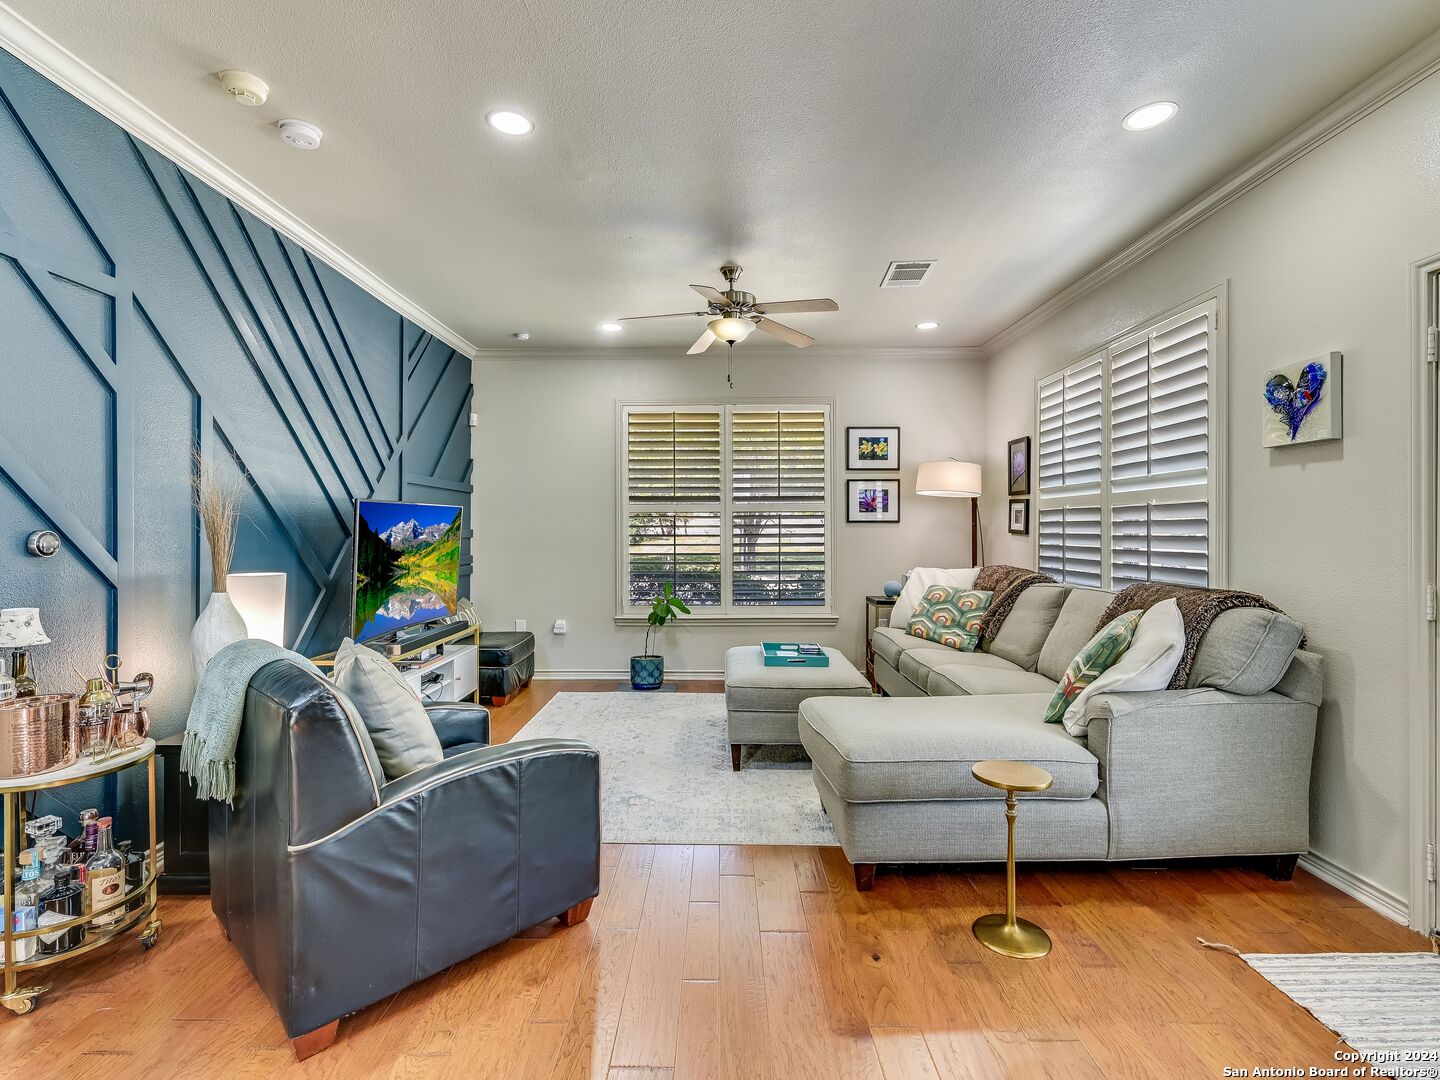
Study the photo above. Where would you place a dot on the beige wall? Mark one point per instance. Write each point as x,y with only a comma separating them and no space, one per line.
545,511
1317,258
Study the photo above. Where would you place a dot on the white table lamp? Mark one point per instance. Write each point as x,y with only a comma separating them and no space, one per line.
260,599
952,479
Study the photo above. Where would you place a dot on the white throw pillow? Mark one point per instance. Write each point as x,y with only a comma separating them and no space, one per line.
920,579
404,738
1148,664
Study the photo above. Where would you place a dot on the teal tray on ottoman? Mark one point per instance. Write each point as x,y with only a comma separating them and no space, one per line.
788,654
762,701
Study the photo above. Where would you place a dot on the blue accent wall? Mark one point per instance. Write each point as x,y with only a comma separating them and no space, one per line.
143,314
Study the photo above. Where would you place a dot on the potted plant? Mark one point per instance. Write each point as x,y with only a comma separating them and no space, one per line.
647,671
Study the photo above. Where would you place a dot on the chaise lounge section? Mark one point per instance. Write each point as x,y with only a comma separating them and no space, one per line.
1219,768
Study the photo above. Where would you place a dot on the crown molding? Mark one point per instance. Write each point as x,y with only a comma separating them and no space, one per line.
1390,82
677,352
51,59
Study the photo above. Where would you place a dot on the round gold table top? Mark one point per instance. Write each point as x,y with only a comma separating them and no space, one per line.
1011,775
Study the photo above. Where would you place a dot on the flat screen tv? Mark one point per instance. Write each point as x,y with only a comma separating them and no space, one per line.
407,565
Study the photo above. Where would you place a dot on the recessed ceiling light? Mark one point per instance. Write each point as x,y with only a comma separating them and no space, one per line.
927,325
522,335
509,122
611,327
1148,116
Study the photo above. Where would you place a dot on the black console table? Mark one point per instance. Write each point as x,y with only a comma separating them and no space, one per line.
185,826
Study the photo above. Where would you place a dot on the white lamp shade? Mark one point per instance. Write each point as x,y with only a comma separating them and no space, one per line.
731,329
952,479
20,628
260,599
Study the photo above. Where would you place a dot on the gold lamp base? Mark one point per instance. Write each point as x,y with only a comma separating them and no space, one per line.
1022,938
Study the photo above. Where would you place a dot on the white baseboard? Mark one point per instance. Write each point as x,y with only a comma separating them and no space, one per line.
1352,884
619,673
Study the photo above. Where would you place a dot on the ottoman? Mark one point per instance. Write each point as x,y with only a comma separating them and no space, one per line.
762,703
507,663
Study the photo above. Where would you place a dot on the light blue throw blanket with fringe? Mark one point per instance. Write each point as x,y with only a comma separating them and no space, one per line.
213,729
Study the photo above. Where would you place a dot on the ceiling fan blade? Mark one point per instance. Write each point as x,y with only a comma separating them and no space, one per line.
784,333
715,296
672,315
703,342
797,306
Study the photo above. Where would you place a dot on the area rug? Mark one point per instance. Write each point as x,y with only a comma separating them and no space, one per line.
1385,1005
665,775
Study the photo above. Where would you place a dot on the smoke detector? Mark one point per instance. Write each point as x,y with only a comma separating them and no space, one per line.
245,88
300,135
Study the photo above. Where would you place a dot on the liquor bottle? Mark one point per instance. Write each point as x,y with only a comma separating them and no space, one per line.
96,720
83,846
134,874
27,903
105,878
20,672
64,901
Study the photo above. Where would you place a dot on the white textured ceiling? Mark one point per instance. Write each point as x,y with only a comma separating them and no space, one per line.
812,142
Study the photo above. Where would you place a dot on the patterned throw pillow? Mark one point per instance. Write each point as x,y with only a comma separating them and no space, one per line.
951,616
1099,653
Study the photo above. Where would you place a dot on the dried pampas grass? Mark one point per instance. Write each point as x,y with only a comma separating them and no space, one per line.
217,501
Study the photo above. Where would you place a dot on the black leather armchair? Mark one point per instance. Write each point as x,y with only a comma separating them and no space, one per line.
340,889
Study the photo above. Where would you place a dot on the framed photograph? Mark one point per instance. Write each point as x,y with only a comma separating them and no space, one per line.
1020,517
872,501
1302,402
1019,458
872,448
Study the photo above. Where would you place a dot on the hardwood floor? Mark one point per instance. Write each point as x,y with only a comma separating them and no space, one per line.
761,964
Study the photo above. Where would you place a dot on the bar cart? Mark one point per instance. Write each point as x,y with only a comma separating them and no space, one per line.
23,999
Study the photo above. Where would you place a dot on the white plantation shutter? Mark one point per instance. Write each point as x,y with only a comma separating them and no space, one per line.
730,504
1071,429
1126,443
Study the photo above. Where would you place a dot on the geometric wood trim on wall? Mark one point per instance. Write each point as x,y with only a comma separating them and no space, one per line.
143,314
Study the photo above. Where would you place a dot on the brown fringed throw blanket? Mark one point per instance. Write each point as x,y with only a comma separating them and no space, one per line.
1006,583
1198,609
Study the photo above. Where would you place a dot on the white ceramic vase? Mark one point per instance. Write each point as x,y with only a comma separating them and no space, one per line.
219,625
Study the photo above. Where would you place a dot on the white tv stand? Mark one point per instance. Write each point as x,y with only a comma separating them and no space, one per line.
454,675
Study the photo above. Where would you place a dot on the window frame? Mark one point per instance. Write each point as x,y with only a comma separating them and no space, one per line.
1213,491
726,613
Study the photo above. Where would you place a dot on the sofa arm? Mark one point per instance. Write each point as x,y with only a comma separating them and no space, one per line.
457,723
1203,772
458,856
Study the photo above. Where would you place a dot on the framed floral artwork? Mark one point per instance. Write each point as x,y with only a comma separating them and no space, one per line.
872,501
872,448
1018,455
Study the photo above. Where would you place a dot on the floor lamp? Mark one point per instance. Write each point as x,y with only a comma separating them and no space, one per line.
953,479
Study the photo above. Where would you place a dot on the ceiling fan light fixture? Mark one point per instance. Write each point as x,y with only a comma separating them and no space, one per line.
731,328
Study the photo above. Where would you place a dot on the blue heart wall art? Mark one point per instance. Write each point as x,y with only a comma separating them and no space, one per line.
1302,402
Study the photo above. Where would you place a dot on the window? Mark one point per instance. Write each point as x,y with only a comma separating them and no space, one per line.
1127,477
729,504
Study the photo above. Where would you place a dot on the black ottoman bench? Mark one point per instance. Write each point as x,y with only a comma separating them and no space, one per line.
507,663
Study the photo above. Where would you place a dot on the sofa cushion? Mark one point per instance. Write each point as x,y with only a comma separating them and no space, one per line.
1246,651
1025,629
404,738
1148,664
953,679
917,664
950,616
914,749
1074,626
921,578
751,686
1099,654
890,641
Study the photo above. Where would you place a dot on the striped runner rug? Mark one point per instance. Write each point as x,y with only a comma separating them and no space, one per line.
1385,1005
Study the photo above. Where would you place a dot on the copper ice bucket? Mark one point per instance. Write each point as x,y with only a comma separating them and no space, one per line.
38,734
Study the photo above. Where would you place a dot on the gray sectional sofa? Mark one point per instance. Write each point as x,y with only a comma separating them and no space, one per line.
1219,768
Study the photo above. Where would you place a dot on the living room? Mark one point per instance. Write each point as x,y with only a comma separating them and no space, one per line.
1002,643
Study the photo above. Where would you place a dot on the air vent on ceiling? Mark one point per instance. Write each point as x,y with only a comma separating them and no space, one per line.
906,275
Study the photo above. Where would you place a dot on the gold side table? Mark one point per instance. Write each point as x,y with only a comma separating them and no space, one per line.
1008,934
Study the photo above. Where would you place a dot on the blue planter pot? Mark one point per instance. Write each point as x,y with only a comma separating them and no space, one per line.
647,672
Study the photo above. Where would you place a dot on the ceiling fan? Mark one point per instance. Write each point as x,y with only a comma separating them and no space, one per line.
733,314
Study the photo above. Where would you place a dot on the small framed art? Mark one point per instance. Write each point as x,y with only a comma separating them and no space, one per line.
872,501
872,448
1020,517
1019,458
